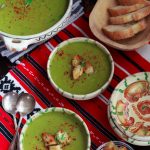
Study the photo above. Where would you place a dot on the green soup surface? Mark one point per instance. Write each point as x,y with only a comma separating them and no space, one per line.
52,122
61,69
19,19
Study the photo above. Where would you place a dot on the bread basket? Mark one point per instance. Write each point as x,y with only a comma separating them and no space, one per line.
99,18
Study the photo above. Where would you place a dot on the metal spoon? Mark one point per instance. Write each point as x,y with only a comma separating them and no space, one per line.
9,102
25,105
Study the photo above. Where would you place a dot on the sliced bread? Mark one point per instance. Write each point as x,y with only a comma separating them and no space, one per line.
134,16
132,2
122,10
119,32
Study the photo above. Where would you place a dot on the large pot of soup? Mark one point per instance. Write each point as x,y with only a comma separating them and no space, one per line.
25,22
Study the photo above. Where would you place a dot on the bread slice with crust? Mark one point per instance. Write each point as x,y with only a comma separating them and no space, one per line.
119,32
110,146
122,10
134,16
132,2
122,148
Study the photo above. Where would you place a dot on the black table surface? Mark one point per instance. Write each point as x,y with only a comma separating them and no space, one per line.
5,65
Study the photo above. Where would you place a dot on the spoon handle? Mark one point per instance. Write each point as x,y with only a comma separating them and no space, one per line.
15,121
13,145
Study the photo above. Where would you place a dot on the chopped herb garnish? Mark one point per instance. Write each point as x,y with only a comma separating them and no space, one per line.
28,2
83,63
2,4
63,136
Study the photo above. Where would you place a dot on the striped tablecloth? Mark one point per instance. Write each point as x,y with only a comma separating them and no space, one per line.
30,76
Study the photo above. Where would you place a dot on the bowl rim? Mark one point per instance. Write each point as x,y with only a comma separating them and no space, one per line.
80,96
66,14
118,143
54,109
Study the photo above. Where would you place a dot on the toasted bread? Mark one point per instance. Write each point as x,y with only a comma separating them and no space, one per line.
122,148
55,147
132,2
110,146
122,10
119,32
48,139
134,16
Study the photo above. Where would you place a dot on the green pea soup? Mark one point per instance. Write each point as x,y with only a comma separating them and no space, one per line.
61,69
17,18
51,122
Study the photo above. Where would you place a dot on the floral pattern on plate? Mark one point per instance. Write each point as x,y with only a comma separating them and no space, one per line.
130,106
122,134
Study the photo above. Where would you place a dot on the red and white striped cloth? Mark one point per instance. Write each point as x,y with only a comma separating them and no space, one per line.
30,76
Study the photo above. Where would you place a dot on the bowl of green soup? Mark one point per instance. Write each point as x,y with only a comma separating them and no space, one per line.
80,68
55,128
25,22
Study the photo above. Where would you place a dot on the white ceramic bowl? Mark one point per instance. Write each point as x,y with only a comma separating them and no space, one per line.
118,143
76,96
19,43
54,109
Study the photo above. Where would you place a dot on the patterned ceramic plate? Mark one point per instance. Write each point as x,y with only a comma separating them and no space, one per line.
130,106
122,135
51,120
124,131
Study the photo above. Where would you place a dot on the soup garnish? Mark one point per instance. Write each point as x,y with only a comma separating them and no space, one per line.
58,141
80,66
28,2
